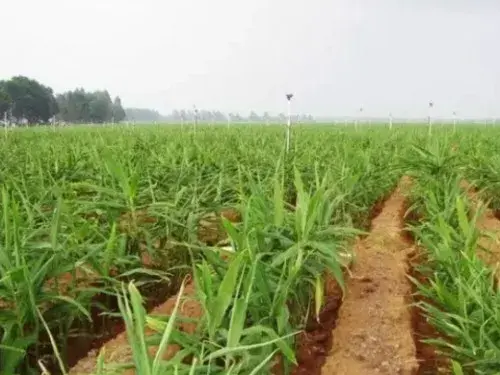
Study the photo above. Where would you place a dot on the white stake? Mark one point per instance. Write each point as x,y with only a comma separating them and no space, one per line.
454,121
390,121
289,120
431,105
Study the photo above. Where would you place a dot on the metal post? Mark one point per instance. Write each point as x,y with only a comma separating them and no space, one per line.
390,121
454,121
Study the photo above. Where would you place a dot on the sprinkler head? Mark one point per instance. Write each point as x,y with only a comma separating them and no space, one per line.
289,97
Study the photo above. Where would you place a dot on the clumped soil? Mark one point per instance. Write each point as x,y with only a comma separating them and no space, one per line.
373,333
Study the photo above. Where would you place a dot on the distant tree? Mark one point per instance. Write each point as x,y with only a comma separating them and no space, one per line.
183,115
253,116
175,115
219,116
101,107
27,99
118,111
80,106
142,115
5,100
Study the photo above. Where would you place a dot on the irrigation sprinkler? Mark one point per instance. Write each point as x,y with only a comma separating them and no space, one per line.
390,120
429,118
289,120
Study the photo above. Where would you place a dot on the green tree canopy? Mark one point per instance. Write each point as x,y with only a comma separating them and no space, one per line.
27,99
80,106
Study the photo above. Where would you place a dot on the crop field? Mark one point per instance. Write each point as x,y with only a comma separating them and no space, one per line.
159,250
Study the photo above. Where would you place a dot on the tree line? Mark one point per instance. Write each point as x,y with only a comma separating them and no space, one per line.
215,116
26,101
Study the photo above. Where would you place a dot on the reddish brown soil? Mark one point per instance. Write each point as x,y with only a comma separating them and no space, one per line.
85,336
374,327
315,342
118,351
430,361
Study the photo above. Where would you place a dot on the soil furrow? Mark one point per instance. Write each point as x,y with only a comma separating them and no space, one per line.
430,361
374,328
118,350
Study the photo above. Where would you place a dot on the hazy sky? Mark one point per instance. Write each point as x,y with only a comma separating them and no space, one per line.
335,55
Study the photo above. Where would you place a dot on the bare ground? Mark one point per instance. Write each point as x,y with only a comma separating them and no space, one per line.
374,328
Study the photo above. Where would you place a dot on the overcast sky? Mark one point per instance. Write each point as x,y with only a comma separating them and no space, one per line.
335,55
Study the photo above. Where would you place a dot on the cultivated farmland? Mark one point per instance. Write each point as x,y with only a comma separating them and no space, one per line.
159,250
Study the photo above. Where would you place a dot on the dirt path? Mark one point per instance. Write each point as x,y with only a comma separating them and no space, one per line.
489,227
374,327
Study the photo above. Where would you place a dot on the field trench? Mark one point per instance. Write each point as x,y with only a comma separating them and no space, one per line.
373,334
85,336
315,343
117,349
430,362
